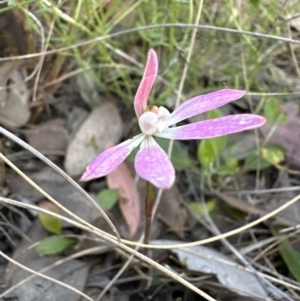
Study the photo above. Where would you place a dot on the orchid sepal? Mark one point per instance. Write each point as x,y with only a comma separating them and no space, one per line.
146,84
203,103
110,159
214,127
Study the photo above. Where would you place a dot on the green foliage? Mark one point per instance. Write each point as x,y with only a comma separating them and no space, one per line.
209,150
206,154
255,2
210,206
234,213
108,198
270,153
272,111
179,157
290,255
229,168
217,143
50,223
77,21
54,245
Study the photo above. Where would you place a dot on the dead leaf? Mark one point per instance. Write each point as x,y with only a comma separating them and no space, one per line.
103,126
57,187
209,261
73,272
172,213
14,110
129,198
50,136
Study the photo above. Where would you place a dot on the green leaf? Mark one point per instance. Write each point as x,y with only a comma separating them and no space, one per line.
216,113
255,2
50,223
108,198
272,152
229,168
206,154
54,245
272,110
273,113
290,256
199,210
179,158
254,161
218,143
234,213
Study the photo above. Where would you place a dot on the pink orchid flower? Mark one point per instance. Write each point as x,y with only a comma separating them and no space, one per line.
151,162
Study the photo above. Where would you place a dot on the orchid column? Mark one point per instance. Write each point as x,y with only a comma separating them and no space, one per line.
151,162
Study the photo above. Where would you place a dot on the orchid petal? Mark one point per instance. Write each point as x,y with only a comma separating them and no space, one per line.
214,127
204,103
110,159
153,164
144,89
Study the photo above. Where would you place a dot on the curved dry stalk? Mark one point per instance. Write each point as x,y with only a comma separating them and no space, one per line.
150,27
273,94
45,277
204,241
276,277
110,239
273,245
262,191
16,229
92,250
81,70
215,230
58,216
62,173
45,194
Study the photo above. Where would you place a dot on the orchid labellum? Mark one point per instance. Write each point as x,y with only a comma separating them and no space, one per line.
151,162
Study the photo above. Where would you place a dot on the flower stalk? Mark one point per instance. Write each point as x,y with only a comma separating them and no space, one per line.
149,203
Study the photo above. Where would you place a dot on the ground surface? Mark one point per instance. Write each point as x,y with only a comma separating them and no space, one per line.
74,99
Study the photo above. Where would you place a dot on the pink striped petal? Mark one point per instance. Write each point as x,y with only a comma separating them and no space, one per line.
214,127
153,164
110,159
144,89
204,103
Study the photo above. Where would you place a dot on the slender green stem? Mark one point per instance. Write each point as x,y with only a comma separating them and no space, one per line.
149,202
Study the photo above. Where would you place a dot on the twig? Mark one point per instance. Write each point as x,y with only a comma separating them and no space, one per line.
151,27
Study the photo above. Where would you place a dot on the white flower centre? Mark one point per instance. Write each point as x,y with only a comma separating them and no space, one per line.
154,121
